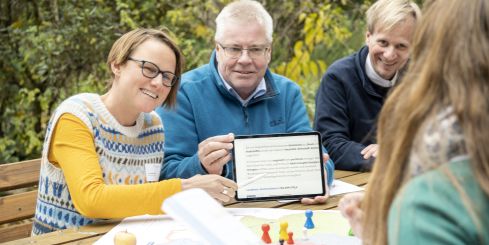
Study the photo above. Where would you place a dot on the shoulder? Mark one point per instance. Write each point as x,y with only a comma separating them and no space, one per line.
440,181
80,105
432,184
285,84
83,99
197,76
348,68
151,119
430,208
346,64
343,64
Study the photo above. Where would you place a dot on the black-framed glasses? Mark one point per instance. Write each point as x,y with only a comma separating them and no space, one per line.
235,52
151,70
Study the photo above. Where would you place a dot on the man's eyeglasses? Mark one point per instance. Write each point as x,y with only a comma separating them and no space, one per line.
236,52
151,70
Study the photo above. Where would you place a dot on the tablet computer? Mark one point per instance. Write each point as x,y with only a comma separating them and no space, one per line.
278,166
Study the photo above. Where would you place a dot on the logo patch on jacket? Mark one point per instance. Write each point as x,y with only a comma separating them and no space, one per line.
276,122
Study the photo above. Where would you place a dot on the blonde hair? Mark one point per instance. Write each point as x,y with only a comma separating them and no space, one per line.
244,11
385,14
127,43
449,68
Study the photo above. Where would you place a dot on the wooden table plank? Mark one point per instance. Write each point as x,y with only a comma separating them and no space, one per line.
18,206
19,174
331,203
339,174
17,231
90,240
358,179
91,233
70,235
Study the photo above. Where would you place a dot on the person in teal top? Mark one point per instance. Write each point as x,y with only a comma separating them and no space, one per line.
430,182
442,206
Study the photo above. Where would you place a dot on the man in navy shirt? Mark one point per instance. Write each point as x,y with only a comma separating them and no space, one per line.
354,88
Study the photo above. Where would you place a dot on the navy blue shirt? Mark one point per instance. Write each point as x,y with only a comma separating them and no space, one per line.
347,107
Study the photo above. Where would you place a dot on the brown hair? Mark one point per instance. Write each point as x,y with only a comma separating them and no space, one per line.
125,45
449,68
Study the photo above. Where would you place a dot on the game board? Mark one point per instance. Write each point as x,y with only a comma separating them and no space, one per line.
325,223
330,227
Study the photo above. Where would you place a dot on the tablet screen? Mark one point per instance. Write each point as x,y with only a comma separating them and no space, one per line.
278,166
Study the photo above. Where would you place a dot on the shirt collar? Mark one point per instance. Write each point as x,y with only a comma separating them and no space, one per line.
261,89
376,78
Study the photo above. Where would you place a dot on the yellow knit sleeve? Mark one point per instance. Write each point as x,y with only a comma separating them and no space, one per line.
72,148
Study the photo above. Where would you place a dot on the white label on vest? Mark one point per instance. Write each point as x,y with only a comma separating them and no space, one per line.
152,171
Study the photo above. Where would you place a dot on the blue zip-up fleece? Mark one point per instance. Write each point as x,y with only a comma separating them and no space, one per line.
205,108
347,106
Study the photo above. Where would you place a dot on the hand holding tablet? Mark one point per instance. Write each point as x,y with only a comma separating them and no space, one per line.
278,166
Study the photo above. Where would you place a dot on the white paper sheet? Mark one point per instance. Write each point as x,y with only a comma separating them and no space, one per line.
341,187
161,229
153,229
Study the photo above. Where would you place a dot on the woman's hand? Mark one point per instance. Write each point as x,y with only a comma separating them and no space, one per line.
220,188
350,207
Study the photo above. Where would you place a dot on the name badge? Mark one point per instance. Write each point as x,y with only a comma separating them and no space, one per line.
152,171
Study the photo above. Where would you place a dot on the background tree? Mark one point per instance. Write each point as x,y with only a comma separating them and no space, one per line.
52,49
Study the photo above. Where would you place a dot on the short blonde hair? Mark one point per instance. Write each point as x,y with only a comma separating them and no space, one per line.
125,45
385,14
244,11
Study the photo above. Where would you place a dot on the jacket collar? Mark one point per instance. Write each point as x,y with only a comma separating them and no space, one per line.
360,60
376,78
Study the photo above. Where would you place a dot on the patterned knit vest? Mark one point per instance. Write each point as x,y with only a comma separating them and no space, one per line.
122,152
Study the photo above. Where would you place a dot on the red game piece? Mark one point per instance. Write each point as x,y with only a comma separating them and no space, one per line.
266,236
290,240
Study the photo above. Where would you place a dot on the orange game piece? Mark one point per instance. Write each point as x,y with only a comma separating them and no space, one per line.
266,236
291,239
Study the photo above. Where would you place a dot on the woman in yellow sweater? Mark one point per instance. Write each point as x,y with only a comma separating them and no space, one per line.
100,151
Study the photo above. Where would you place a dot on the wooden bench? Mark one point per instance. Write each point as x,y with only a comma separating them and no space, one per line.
18,194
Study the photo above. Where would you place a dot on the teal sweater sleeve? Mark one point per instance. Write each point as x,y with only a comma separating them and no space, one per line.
430,210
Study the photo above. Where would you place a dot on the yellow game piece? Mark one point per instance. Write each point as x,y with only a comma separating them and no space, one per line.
283,231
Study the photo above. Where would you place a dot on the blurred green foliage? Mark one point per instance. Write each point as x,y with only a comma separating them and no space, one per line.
52,49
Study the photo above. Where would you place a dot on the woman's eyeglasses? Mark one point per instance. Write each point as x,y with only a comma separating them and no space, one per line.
151,70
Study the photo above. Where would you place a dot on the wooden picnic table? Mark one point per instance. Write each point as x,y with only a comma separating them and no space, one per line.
91,233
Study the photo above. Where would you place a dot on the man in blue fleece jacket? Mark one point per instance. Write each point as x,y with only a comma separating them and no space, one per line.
234,94
354,88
